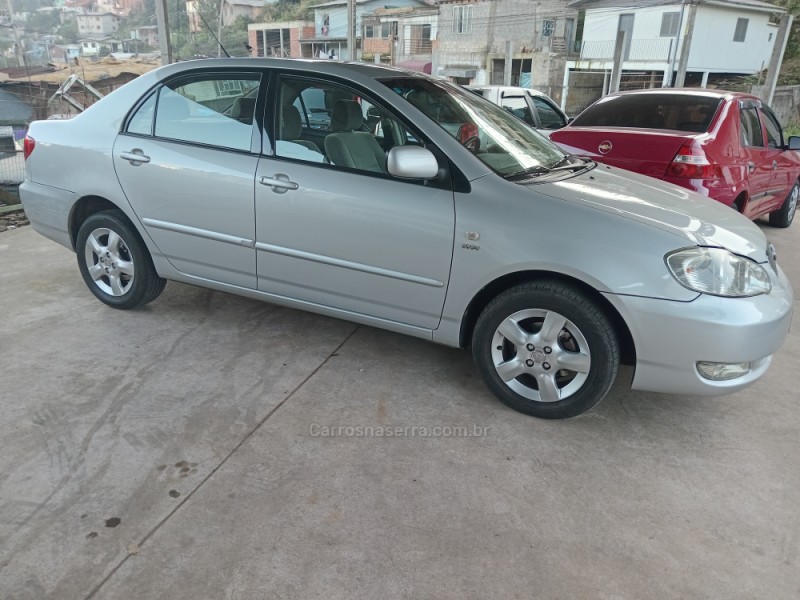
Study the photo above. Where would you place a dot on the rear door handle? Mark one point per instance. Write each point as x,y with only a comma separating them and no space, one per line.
280,183
751,167
135,157
774,164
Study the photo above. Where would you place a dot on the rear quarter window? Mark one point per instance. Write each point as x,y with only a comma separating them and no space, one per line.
651,111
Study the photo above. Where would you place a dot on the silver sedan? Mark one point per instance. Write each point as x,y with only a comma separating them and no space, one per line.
399,201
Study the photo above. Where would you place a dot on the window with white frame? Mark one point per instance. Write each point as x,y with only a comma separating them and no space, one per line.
462,19
548,27
669,24
741,30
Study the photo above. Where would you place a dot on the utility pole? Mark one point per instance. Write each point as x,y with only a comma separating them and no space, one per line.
616,69
163,31
351,29
219,29
673,49
680,78
776,59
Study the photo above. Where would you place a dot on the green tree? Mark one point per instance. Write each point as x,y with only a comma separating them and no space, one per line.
69,31
43,22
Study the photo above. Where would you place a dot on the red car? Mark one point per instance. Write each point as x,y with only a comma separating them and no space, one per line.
724,145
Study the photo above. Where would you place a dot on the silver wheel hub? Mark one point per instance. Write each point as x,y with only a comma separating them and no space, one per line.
541,355
109,261
793,200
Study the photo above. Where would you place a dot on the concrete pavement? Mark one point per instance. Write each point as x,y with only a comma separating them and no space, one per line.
211,446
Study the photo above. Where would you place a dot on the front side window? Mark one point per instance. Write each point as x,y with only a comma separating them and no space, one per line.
348,130
741,30
774,135
210,109
669,24
497,138
462,19
750,128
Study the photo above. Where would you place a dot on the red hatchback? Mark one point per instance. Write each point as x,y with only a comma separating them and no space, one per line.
724,145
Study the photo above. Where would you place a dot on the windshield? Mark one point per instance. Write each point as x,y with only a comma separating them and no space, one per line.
500,140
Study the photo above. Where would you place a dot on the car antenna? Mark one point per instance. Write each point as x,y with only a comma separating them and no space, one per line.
199,14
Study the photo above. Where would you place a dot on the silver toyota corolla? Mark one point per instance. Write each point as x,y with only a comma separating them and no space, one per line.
395,200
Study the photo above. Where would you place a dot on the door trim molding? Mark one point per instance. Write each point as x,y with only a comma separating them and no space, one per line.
347,264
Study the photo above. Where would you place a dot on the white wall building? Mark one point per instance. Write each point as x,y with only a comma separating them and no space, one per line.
731,37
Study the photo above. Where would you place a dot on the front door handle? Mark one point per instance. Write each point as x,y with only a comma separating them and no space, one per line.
751,167
135,157
774,164
280,183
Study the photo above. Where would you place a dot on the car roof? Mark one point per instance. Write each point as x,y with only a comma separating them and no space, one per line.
332,67
699,92
507,88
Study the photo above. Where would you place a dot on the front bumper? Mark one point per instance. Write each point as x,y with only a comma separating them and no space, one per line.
671,337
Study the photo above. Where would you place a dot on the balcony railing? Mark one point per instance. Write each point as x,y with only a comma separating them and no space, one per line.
642,50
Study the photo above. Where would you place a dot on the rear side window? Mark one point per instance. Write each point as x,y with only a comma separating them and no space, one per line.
206,109
517,106
548,115
651,111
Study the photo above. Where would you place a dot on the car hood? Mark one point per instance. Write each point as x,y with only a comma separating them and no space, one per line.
698,219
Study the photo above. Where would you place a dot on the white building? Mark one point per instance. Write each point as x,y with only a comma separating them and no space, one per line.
97,24
730,37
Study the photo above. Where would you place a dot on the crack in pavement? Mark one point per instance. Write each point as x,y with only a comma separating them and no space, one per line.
258,425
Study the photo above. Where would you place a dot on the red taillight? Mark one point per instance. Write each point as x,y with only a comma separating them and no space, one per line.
692,163
28,146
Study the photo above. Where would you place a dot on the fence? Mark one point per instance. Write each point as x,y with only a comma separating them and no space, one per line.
587,86
12,168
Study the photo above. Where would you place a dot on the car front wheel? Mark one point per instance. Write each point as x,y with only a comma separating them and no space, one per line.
546,349
114,262
784,216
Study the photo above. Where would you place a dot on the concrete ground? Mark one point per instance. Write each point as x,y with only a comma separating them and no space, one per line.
183,451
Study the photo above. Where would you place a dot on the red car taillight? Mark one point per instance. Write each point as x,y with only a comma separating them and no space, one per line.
692,163
28,146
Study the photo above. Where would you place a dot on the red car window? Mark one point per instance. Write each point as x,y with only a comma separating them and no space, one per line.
774,137
651,111
750,130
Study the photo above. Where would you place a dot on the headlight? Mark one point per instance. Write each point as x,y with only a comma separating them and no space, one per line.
718,272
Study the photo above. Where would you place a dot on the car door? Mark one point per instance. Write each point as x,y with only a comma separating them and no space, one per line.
782,164
186,160
334,229
756,159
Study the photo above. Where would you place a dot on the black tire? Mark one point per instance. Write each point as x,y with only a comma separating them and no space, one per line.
124,275
784,216
585,341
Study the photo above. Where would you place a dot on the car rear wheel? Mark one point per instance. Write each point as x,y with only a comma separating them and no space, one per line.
546,350
114,262
784,216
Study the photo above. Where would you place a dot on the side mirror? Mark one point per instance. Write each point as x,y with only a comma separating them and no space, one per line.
794,142
412,162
